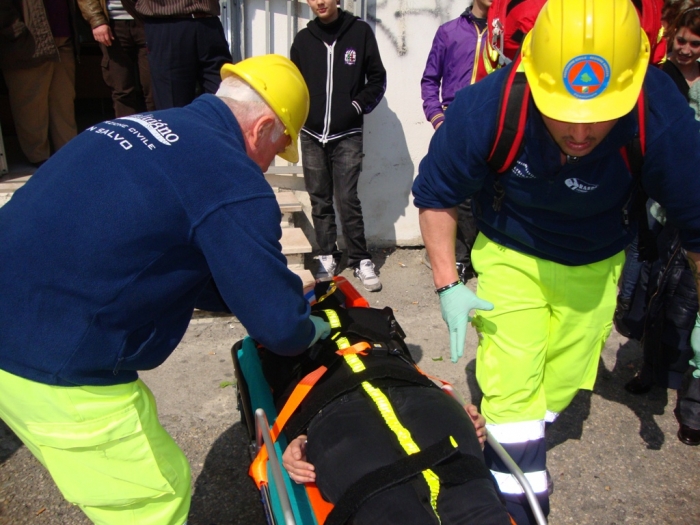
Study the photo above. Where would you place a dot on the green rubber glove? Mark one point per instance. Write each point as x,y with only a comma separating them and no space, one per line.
455,304
695,344
322,329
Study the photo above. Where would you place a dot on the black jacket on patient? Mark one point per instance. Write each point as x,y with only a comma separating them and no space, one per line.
361,464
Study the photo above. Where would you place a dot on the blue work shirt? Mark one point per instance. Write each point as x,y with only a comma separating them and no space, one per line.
105,250
572,213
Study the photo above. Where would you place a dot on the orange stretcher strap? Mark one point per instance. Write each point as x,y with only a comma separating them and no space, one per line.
357,348
258,469
319,505
298,394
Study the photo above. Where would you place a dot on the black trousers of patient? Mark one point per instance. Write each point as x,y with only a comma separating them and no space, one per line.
349,439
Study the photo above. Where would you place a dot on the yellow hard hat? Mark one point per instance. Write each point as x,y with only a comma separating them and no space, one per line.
585,60
279,82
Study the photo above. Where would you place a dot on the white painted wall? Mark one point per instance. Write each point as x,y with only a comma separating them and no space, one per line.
396,134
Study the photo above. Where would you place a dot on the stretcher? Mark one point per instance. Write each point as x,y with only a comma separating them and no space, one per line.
284,501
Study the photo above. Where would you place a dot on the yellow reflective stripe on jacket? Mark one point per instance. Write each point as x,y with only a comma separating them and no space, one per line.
392,421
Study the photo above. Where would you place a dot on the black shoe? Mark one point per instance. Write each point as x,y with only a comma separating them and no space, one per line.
689,436
639,384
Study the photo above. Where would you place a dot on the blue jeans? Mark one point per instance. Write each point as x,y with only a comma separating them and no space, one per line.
334,170
631,270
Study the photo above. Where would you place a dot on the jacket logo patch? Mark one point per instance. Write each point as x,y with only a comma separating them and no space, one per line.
156,127
350,57
522,170
580,186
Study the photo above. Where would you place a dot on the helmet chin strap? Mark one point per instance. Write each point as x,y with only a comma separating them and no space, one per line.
570,159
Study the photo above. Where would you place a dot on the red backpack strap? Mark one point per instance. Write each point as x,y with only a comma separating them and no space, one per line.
510,129
512,114
633,152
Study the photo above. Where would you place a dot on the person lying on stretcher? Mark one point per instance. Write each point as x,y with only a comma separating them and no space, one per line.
383,443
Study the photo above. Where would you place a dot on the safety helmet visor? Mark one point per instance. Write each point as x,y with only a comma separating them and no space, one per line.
585,61
280,84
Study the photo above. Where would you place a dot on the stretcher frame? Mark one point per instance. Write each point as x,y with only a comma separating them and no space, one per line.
284,501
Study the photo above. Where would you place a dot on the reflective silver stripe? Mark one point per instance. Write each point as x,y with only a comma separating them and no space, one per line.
517,432
551,417
509,485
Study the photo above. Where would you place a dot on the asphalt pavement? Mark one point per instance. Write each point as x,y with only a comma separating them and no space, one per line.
614,457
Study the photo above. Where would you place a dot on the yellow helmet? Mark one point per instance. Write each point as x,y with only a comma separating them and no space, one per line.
585,60
279,82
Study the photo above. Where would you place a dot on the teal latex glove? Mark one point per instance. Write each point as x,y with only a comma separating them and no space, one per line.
695,343
455,304
322,329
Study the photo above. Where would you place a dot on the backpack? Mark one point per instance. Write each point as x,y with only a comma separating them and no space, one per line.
509,21
508,145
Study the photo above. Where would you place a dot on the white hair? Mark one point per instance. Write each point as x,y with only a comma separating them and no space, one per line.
247,104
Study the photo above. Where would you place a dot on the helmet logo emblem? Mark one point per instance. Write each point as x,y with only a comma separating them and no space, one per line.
350,57
586,76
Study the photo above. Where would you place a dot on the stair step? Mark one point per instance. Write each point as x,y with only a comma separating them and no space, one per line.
294,241
288,202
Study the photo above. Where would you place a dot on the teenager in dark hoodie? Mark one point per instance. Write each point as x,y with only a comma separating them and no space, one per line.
339,58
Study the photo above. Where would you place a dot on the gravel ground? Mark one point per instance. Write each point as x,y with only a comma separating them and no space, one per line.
614,457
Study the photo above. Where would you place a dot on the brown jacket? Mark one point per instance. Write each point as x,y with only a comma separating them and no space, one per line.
94,12
25,34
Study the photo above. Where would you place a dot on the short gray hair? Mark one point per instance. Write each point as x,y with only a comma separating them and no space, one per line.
247,104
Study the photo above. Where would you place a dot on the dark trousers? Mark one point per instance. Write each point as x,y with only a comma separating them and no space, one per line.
184,53
125,68
349,439
334,170
466,233
688,405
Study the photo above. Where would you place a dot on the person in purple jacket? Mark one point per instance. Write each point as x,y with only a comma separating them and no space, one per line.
451,65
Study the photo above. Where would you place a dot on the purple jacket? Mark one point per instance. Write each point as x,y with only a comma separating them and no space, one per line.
451,62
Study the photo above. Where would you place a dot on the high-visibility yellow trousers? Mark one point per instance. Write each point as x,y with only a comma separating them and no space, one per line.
539,345
104,448
542,341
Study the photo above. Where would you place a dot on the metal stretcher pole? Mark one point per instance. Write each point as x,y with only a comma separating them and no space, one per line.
262,430
512,465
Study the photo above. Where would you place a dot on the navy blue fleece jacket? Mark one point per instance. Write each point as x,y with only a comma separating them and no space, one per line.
104,251
572,213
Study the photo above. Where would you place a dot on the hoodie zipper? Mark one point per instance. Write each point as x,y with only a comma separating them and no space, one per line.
329,93
477,51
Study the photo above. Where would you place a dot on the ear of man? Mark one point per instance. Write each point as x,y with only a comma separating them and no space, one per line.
259,132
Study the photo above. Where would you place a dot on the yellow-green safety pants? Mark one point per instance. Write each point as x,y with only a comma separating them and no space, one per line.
104,448
539,345
542,341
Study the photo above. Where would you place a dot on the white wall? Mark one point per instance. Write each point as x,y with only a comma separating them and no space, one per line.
396,133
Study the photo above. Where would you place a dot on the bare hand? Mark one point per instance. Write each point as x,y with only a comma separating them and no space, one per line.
103,35
439,124
294,460
479,423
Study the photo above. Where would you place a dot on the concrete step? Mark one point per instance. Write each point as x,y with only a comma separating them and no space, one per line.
9,184
294,246
288,202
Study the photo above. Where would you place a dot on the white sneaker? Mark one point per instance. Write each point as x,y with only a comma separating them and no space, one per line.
326,267
365,273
